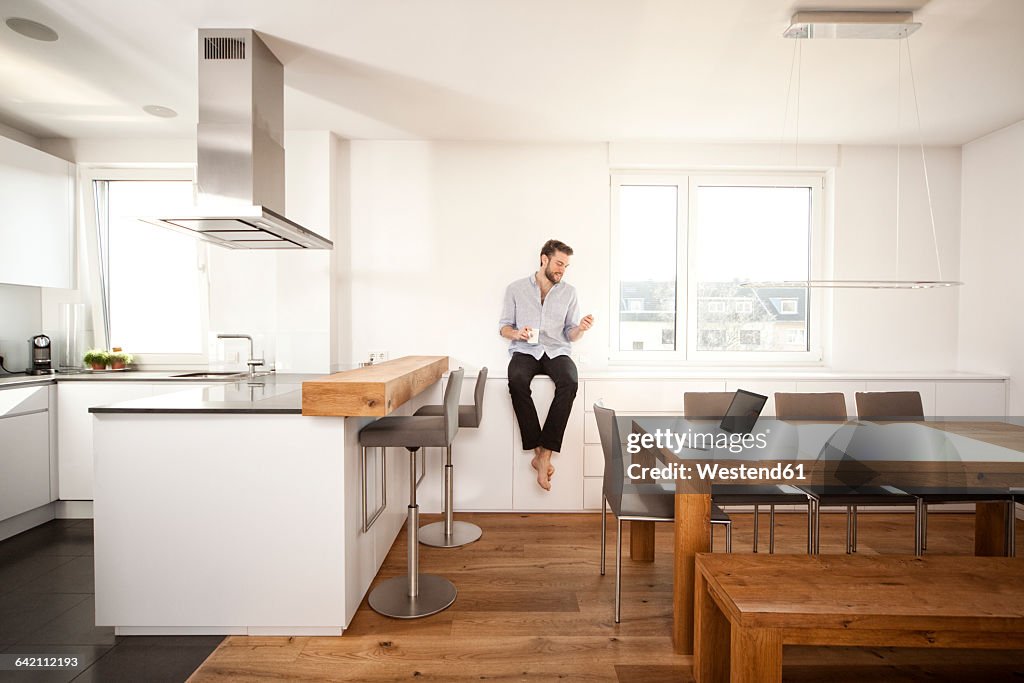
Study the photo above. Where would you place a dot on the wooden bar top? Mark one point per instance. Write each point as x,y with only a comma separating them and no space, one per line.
374,390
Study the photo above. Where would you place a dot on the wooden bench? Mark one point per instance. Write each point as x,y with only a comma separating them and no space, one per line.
747,607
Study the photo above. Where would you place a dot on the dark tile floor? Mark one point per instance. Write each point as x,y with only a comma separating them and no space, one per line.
47,607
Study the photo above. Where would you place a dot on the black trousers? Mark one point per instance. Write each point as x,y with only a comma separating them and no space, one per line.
522,368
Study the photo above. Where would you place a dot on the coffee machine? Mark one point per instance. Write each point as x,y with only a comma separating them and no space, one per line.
39,353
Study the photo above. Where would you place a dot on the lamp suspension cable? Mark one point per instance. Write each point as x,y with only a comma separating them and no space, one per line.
899,109
858,24
924,163
785,114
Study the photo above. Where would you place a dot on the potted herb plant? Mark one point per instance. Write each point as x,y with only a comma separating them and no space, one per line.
96,359
119,360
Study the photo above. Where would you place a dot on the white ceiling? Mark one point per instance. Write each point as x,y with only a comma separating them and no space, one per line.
574,70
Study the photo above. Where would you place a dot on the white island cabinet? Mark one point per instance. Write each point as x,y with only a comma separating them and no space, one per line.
224,511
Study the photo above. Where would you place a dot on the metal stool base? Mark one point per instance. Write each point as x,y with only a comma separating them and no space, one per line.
391,597
463,533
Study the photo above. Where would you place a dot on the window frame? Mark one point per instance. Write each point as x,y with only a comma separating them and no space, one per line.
682,210
88,175
686,335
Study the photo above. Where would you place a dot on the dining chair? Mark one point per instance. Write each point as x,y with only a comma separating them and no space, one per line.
713,405
831,407
891,406
629,505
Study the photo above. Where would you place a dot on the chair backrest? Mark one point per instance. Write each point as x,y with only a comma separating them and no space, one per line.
706,405
810,406
478,397
889,405
451,404
611,444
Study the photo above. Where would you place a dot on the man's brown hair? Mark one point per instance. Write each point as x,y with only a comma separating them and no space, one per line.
551,246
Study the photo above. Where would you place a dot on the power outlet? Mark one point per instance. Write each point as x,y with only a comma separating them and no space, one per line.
378,356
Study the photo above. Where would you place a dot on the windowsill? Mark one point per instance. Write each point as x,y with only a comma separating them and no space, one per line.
809,372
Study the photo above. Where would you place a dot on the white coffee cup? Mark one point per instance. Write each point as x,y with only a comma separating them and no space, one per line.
534,336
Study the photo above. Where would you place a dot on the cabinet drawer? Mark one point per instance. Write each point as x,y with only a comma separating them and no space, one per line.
24,463
20,400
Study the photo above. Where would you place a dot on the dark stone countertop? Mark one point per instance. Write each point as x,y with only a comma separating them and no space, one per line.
279,394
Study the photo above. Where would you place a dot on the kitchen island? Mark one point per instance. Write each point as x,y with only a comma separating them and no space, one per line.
224,510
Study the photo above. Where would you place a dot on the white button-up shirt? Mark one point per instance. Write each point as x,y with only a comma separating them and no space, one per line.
555,318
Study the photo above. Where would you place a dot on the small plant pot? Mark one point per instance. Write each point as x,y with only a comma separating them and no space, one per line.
117,365
99,366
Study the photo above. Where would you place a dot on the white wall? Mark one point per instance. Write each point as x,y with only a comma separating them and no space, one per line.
19,319
439,229
282,298
992,250
895,329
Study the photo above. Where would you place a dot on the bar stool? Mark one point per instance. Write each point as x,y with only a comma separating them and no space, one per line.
415,595
449,533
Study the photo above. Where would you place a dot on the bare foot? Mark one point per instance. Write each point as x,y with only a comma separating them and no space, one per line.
543,466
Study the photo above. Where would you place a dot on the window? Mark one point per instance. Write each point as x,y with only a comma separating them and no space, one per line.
750,337
684,245
788,306
152,280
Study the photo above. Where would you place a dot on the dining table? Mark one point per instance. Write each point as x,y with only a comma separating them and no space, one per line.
948,455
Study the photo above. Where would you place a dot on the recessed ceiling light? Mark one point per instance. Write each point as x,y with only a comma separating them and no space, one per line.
157,110
32,29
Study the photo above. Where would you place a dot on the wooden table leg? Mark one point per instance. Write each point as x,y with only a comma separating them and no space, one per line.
756,655
711,636
692,527
641,541
990,529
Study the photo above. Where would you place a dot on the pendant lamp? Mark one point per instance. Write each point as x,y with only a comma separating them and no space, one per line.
813,25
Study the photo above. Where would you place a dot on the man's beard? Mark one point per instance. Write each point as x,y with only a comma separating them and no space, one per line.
552,277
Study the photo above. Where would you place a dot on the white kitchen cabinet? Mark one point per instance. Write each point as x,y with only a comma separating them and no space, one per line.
567,485
24,450
74,431
645,396
970,399
481,457
593,489
36,217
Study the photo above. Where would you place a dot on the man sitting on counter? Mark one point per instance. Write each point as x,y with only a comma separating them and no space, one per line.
540,317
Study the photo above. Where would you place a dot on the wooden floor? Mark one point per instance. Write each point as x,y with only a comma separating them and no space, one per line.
533,607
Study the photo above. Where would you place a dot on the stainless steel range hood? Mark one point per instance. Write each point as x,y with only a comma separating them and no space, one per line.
240,138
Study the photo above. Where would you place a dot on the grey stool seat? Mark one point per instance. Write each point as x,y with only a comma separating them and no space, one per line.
467,414
402,430
450,533
415,595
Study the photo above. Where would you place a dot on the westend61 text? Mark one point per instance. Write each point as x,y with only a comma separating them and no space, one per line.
711,471
674,441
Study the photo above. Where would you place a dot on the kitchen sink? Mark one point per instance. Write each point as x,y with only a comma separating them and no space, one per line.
211,375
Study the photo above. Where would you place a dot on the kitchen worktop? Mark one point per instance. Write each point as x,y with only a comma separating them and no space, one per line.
271,394
108,376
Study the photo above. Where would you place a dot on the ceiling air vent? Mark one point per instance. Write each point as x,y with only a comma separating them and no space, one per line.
223,48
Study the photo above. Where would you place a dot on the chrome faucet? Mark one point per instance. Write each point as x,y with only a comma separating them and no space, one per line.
253,362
